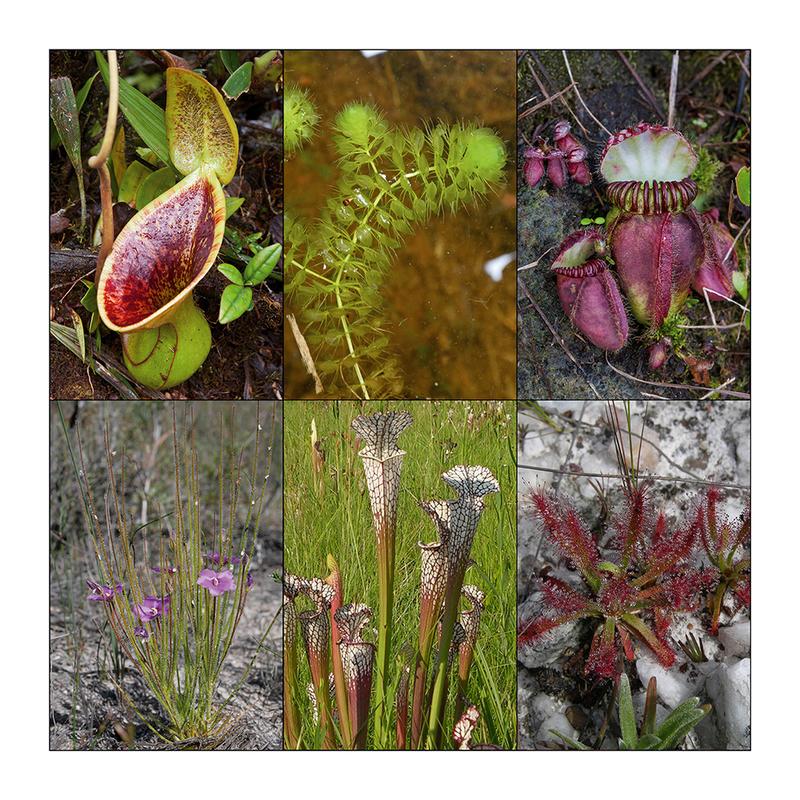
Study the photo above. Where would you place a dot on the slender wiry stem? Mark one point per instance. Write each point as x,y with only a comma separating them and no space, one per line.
334,580
99,162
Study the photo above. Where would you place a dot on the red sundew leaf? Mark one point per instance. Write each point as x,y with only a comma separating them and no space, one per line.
562,597
681,592
532,630
742,591
568,532
616,595
162,253
655,641
602,660
627,644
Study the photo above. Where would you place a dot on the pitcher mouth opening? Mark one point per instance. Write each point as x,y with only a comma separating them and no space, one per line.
652,197
162,254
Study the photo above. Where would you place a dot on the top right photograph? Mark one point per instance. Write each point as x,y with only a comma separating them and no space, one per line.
633,224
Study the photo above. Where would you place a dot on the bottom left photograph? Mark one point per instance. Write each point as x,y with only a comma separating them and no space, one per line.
165,540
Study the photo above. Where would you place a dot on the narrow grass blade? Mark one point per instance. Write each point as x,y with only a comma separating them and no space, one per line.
64,113
145,117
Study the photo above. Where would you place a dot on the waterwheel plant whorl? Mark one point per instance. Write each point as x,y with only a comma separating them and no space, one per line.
647,168
588,291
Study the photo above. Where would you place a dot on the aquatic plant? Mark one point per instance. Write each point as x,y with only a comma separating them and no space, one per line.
359,696
391,180
661,247
174,612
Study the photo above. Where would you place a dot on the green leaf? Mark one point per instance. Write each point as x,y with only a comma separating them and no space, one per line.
267,68
232,205
155,184
649,742
135,174
64,113
145,117
239,82
89,299
235,301
627,719
675,727
147,155
743,185
740,283
80,99
78,325
231,273
571,743
747,320
83,92
260,266
230,58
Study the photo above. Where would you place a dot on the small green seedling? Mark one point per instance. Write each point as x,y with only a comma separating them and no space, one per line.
238,297
666,736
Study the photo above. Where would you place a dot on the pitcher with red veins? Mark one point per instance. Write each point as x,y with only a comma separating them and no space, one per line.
588,291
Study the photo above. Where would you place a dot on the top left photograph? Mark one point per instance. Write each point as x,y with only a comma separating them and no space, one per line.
166,224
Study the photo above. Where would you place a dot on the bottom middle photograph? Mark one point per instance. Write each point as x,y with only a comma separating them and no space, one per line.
399,595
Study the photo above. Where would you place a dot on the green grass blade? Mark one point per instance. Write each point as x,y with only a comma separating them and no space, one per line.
64,113
145,117
627,719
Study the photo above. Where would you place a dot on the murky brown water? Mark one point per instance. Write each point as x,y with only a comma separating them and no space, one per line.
452,326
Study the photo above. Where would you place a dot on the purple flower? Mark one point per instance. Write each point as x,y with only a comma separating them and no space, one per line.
142,632
152,608
216,582
103,594
222,560
249,579
166,570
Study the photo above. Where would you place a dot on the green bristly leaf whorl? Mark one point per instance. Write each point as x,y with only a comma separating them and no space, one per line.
391,179
299,119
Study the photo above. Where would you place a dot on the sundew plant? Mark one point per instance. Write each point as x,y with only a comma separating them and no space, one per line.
398,612
172,582
391,180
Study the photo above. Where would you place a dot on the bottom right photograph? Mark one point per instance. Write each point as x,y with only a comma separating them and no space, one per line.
633,588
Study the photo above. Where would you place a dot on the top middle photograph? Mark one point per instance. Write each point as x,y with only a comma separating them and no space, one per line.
400,233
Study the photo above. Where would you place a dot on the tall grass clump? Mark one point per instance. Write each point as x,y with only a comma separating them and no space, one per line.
173,582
